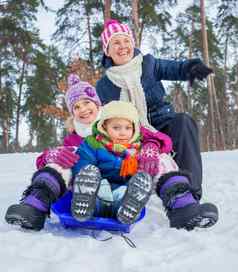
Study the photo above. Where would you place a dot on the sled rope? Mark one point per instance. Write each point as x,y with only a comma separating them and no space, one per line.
128,240
125,238
94,235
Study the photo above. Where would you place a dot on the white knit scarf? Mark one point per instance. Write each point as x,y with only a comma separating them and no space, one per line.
128,78
85,130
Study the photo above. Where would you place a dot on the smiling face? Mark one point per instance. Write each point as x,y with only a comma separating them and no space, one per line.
85,111
120,49
119,130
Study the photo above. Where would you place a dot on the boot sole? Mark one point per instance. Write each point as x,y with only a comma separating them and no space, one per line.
137,195
19,221
86,186
204,221
14,218
204,217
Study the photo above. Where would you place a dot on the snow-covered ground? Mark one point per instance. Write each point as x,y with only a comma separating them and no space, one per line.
159,248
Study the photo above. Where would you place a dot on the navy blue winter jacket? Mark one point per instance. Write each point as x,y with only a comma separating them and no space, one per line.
153,71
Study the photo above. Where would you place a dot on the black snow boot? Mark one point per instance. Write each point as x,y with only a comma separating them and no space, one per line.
183,210
46,187
194,215
26,216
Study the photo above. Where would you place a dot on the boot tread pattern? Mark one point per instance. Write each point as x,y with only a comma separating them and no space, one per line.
22,215
138,193
85,190
201,222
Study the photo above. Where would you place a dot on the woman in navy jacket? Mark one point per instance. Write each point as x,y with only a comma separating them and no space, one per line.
130,76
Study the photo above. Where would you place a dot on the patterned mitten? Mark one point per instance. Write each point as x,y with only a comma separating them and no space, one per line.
63,156
149,159
166,164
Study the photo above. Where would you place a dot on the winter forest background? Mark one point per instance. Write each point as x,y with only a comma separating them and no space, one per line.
32,73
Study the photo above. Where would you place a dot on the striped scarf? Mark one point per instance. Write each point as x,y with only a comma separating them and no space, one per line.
128,152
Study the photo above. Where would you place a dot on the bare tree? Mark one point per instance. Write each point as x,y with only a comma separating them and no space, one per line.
135,21
178,99
19,98
190,54
88,16
213,104
107,9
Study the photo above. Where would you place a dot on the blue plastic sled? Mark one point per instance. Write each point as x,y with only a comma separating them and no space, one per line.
62,209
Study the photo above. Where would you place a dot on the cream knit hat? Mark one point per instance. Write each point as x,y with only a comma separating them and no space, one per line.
120,109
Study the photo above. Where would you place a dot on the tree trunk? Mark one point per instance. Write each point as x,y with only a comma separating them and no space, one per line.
226,123
220,131
178,99
19,106
213,105
141,31
107,9
5,136
5,126
89,36
136,23
190,53
0,74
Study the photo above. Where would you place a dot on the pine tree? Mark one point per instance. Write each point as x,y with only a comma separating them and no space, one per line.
77,22
18,37
227,25
42,91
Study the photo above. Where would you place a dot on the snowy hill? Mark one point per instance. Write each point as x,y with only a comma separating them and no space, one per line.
159,248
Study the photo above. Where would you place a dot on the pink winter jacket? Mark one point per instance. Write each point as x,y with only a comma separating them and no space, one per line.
73,139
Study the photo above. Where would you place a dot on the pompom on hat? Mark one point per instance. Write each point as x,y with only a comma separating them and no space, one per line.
111,28
78,90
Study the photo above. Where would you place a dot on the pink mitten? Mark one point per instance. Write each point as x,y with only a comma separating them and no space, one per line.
162,140
167,164
63,156
149,159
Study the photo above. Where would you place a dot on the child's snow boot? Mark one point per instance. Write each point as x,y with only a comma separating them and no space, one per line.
85,188
46,187
138,192
26,216
183,210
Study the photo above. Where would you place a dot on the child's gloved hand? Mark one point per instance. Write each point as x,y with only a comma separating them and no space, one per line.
63,156
149,159
198,71
167,164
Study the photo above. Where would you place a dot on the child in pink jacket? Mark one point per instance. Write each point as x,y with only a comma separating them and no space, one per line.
50,182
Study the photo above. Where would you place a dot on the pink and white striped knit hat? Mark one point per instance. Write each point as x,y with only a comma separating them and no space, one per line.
111,28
